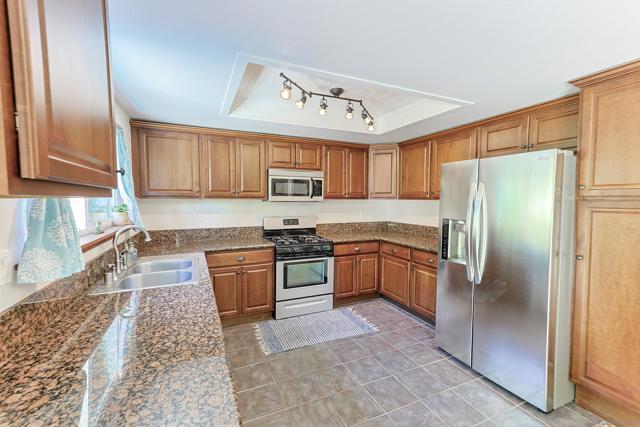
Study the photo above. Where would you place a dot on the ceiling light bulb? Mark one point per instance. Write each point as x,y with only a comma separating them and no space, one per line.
303,100
371,128
368,120
323,107
285,92
349,113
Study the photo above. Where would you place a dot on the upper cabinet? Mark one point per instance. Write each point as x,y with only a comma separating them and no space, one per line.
383,171
609,152
414,170
58,135
346,171
450,147
172,163
504,136
554,127
299,155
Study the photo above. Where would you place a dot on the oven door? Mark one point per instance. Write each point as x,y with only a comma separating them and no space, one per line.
288,189
301,278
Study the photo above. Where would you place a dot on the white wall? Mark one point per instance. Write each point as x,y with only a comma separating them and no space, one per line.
171,213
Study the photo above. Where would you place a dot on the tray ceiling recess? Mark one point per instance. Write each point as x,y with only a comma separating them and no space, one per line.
270,91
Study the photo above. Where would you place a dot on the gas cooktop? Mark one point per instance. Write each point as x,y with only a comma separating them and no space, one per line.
296,239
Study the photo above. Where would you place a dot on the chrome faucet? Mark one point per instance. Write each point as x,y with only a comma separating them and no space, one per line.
119,261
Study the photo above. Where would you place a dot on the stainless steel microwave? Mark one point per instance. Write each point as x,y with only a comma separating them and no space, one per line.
286,185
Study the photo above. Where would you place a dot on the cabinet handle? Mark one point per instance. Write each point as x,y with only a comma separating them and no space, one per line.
523,146
529,145
430,260
579,257
582,187
356,249
393,251
240,258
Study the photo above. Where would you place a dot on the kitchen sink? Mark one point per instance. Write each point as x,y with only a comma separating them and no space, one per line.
161,265
152,273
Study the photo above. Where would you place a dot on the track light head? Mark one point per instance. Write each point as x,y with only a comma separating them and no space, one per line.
349,113
285,92
371,128
303,100
323,107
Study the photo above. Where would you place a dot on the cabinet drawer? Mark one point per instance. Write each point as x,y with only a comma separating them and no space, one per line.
356,248
220,259
396,250
425,258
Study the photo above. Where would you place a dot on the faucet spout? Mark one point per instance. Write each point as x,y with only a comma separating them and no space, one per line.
122,230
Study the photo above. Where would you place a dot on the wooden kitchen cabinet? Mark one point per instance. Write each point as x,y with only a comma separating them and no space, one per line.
450,147
345,277
609,152
394,278
606,340
169,163
367,267
251,171
242,281
335,172
414,170
422,298
554,127
227,289
357,172
355,269
218,165
383,172
504,136
284,154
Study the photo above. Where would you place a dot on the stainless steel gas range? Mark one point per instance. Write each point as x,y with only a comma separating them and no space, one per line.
304,266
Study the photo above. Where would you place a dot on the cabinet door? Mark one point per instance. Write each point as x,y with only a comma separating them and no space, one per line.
169,163
367,274
383,173
357,173
251,170
257,288
450,148
309,156
423,290
507,136
414,170
345,276
63,91
218,166
609,152
335,172
606,337
394,279
554,127
227,289
282,154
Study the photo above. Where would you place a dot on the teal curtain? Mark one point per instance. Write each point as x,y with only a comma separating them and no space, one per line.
52,249
125,182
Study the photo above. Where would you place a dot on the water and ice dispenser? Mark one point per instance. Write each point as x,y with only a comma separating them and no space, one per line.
454,240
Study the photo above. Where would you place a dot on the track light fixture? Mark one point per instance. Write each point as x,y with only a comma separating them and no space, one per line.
349,113
303,100
336,93
323,107
285,92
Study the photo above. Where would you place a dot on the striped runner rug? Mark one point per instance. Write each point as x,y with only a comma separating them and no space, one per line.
275,336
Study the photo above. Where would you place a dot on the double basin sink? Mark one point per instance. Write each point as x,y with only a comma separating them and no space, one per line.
151,273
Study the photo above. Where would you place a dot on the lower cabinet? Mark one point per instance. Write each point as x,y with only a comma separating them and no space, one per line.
394,278
244,288
355,273
422,293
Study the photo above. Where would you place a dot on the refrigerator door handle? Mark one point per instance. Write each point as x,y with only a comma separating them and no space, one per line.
469,232
480,238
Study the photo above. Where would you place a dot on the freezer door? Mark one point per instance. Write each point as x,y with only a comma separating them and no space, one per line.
454,303
515,217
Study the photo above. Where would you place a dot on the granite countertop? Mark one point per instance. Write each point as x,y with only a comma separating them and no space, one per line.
427,243
147,357
207,245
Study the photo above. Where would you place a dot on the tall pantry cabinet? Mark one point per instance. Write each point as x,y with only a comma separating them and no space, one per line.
606,336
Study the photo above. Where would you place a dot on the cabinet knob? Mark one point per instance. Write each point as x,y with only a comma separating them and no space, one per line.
240,258
579,257
356,249
430,260
523,146
582,187
393,251
529,145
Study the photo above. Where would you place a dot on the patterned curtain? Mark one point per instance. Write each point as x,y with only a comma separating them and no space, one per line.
52,250
125,182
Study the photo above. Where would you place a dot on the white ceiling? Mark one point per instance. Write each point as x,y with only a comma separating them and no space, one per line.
174,61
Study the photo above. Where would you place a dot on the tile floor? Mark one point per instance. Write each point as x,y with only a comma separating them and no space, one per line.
394,378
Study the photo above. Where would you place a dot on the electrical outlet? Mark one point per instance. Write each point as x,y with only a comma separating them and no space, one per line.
6,275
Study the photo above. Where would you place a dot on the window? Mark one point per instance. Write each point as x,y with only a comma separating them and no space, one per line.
88,211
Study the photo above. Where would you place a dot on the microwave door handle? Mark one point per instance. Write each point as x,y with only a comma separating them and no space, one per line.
311,188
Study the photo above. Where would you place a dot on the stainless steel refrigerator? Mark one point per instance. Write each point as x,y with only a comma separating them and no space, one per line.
506,270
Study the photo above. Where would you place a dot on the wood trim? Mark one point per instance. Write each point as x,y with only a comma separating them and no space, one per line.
354,299
240,134
608,409
607,73
246,318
